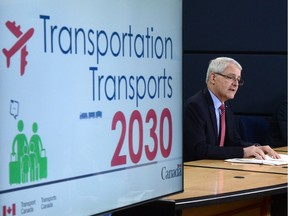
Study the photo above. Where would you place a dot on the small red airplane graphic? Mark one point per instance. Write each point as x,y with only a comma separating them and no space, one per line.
20,44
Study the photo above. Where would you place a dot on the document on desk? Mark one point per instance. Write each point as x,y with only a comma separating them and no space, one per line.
268,161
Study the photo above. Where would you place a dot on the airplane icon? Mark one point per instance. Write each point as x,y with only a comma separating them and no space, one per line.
20,44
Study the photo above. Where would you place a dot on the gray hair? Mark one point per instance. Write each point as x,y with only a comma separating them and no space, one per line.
218,65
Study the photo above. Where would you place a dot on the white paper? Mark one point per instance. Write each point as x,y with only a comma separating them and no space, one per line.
268,161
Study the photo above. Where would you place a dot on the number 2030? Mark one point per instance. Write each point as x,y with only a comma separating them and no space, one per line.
156,134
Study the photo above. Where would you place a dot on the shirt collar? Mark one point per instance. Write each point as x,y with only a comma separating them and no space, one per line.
216,101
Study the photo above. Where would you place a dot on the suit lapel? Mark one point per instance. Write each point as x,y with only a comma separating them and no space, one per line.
211,112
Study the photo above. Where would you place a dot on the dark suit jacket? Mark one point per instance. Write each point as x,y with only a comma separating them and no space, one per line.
200,131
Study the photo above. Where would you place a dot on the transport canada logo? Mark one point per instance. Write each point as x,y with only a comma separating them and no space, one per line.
9,210
20,45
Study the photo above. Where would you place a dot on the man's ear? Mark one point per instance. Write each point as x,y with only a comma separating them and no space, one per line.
212,78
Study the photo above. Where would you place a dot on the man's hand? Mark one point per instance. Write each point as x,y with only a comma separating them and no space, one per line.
259,152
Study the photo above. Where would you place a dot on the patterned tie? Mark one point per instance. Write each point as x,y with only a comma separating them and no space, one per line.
223,125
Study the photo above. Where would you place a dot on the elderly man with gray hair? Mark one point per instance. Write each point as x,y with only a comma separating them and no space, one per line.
209,128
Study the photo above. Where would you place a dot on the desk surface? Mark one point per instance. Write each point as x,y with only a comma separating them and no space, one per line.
213,181
221,164
204,186
281,149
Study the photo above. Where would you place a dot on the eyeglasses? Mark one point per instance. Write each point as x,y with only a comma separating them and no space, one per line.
239,81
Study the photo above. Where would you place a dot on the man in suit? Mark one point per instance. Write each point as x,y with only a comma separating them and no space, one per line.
202,128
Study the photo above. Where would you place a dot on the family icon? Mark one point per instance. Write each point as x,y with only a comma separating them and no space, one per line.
28,161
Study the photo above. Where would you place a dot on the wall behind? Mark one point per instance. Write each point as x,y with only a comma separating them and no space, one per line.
252,32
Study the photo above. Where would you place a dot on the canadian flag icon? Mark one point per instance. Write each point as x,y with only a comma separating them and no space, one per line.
9,211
